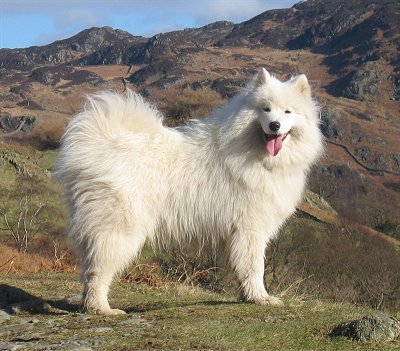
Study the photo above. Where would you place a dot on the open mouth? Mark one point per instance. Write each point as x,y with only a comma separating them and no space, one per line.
273,142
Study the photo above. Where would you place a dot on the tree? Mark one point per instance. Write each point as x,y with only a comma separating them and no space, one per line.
21,215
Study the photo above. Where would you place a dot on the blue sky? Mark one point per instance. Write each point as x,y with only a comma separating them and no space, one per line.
25,23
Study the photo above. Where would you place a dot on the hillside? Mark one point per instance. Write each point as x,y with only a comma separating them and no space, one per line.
170,317
348,50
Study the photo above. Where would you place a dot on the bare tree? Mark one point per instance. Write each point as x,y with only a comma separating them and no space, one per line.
23,222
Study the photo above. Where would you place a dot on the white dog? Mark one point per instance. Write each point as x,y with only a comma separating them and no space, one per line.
234,177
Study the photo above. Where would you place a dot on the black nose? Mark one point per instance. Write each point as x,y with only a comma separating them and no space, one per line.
274,126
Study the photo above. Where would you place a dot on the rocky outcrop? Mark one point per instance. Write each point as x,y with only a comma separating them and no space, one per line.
378,160
64,51
349,32
50,75
333,125
363,85
11,125
226,87
154,72
322,25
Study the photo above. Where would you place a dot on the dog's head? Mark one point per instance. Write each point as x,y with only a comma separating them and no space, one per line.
282,108
273,124
287,117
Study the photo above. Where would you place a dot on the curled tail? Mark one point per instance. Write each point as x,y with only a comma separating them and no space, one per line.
111,114
108,120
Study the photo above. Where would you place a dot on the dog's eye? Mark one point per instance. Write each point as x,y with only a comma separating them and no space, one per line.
288,111
267,109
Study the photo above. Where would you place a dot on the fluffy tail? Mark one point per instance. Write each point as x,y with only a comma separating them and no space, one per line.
110,114
107,121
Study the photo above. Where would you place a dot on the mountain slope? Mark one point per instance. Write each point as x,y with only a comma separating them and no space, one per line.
348,49
67,50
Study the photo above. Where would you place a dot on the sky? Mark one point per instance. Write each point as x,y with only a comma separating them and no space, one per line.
25,23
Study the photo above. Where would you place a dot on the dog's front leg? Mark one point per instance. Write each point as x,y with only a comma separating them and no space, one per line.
247,251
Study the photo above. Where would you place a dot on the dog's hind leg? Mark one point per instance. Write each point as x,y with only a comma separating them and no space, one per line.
107,236
102,261
247,251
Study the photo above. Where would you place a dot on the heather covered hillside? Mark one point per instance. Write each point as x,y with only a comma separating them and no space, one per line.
342,246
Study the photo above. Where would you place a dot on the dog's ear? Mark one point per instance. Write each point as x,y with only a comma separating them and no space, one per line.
301,84
261,78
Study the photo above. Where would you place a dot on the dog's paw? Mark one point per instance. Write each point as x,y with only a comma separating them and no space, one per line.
103,311
112,312
270,300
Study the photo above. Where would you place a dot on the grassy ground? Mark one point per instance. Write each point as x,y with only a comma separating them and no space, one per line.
171,317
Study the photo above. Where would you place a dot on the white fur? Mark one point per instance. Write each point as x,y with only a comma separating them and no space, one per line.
130,179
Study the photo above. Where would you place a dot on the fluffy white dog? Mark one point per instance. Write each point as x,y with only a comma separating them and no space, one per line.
233,177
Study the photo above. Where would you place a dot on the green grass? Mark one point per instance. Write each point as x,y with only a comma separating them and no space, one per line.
26,172
178,317
47,159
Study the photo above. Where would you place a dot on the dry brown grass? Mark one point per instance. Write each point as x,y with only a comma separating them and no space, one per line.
14,262
182,105
109,71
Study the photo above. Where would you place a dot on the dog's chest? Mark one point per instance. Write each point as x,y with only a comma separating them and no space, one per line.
282,192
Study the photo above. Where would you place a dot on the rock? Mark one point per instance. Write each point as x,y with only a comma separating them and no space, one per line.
161,69
28,123
4,316
396,88
4,114
376,160
101,330
227,88
135,321
50,75
10,124
374,327
28,337
8,346
364,84
333,125
318,202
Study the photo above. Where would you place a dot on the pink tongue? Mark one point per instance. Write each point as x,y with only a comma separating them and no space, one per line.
274,145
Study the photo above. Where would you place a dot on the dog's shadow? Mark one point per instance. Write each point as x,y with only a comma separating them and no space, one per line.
14,300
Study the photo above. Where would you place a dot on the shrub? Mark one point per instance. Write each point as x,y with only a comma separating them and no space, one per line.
181,105
307,260
27,213
335,263
47,138
191,267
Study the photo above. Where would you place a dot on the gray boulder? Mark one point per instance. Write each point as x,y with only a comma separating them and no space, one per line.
374,327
